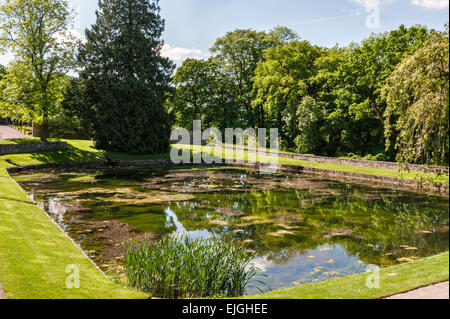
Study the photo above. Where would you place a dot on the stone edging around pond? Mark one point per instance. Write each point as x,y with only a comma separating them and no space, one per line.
354,162
422,186
31,148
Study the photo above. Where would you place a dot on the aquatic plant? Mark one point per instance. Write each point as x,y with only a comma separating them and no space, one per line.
190,268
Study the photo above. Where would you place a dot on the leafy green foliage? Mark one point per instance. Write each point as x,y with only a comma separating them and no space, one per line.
323,101
310,116
280,83
238,54
417,94
362,76
189,268
125,79
219,90
2,71
37,33
202,93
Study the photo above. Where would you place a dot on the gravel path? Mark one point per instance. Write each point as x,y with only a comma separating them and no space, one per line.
2,295
438,291
7,133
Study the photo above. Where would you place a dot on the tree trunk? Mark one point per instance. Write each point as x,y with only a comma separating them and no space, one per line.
45,132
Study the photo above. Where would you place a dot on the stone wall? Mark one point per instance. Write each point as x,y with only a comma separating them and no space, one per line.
31,148
206,135
362,163
4,121
372,180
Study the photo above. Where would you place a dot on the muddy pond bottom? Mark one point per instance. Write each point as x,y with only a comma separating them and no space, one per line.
303,228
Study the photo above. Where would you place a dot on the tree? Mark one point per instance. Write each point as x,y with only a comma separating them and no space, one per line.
238,54
37,33
219,90
17,100
417,113
2,74
202,92
280,83
282,35
125,78
193,90
325,88
362,77
310,117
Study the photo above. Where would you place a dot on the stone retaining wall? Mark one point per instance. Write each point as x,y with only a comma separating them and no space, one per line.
361,163
31,148
406,184
100,165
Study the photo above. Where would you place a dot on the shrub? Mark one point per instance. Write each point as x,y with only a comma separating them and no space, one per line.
189,268
379,157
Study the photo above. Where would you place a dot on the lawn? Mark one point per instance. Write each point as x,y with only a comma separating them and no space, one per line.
21,141
393,280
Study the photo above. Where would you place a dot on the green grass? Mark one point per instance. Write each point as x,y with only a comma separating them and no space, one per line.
21,141
393,280
35,254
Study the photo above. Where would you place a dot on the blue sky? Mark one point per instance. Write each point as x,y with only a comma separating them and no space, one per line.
193,25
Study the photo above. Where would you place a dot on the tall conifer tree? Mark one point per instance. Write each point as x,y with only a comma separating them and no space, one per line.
125,78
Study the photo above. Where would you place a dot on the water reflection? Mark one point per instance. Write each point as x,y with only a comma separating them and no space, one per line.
325,262
303,229
172,220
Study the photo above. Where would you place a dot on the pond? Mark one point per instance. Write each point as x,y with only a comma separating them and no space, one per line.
303,228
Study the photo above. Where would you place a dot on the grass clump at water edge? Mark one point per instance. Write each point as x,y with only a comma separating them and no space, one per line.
189,268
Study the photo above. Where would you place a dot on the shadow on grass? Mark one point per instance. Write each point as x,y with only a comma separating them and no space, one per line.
16,200
70,155
76,155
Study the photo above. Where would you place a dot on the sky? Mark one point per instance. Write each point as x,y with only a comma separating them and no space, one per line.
192,26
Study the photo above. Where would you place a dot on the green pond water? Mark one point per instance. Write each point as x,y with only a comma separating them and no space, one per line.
303,228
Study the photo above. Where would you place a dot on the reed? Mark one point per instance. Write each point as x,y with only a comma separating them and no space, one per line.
190,268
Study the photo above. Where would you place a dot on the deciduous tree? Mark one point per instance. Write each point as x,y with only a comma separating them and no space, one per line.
417,114
37,32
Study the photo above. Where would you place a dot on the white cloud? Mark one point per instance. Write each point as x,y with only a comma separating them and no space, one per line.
6,58
431,4
71,36
369,4
175,53
180,54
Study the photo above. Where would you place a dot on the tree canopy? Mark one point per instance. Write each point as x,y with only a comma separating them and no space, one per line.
417,95
37,33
